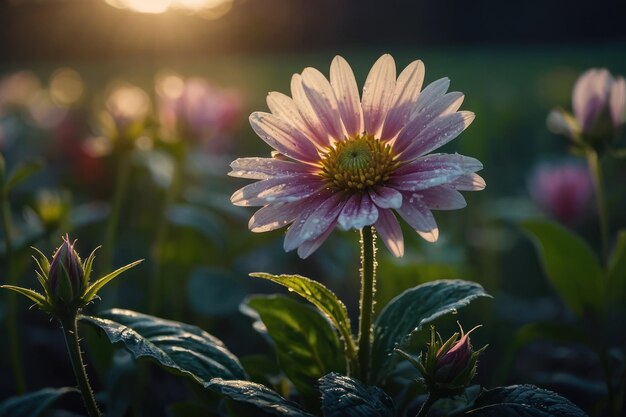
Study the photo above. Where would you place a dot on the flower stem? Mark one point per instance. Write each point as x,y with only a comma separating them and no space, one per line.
423,412
121,187
596,175
162,230
366,304
14,341
70,331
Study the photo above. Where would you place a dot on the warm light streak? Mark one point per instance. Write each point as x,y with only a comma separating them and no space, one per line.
205,8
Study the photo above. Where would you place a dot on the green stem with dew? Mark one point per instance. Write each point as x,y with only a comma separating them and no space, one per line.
366,304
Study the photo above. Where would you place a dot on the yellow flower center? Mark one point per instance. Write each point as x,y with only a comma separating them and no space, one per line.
358,164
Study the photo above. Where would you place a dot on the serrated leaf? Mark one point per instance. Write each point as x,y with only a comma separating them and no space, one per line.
617,270
521,401
258,395
322,298
343,396
306,345
32,404
571,266
180,348
97,285
411,310
21,173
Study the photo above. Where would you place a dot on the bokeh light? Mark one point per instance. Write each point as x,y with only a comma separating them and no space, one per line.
66,87
209,9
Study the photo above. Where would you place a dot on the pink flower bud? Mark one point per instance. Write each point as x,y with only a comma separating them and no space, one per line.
453,361
563,191
66,275
599,101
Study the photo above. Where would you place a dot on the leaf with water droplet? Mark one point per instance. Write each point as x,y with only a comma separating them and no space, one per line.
180,348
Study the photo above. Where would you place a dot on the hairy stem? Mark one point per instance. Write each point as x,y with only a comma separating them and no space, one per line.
70,331
366,304
11,300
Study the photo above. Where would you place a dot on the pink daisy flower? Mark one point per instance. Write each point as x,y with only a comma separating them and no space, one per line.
347,161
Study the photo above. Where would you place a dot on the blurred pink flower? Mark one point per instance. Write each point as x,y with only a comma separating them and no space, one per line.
196,111
599,104
564,191
347,161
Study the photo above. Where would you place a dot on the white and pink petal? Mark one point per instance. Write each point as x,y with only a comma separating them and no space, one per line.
444,197
323,101
441,131
347,93
377,94
385,197
265,168
419,217
283,137
407,90
277,190
390,232
358,212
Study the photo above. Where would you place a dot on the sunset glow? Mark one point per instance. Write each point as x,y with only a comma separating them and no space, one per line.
205,8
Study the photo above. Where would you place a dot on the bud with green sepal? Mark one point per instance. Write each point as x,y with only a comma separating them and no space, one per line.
598,103
447,368
66,290
65,280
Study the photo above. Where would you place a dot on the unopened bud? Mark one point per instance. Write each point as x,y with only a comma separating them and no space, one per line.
447,367
66,279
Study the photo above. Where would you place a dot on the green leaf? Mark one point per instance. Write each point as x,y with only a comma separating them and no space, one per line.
34,296
32,404
258,395
409,311
93,289
21,173
180,348
617,270
306,345
569,263
322,298
343,396
521,401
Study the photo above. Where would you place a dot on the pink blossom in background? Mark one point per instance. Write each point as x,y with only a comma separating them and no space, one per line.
350,161
599,105
563,191
197,111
